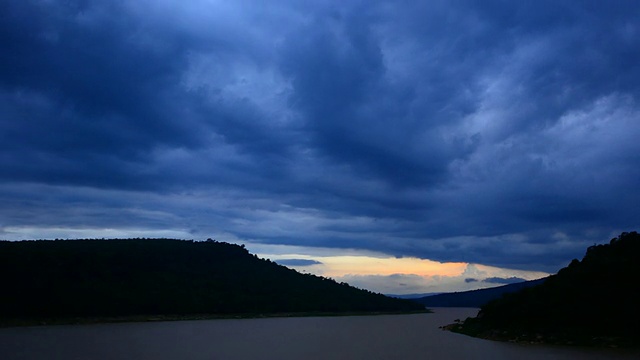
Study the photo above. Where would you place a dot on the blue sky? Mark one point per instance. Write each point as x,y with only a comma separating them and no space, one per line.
497,133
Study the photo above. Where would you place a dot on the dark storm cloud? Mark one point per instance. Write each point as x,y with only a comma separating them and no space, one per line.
492,132
355,113
90,96
80,96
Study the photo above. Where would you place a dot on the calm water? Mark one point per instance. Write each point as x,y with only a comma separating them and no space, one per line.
358,337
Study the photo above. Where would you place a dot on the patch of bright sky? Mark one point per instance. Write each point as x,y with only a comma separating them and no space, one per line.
340,265
386,274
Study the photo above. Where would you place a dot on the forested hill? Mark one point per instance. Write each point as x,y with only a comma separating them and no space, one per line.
60,279
595,301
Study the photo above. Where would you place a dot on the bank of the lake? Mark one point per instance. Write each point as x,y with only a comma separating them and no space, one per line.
357,337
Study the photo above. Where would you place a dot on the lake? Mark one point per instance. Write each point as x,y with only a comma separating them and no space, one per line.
349,337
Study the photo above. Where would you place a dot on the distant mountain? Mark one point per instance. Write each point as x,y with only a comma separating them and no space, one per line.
474,298
595,301
54,280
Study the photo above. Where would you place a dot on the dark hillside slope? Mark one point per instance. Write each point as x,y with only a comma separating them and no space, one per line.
595,301
111,278
474,298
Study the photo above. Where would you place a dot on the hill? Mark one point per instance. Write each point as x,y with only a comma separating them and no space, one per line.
473,298
48,280
590,302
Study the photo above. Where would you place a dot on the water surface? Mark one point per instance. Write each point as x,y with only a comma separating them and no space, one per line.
350,337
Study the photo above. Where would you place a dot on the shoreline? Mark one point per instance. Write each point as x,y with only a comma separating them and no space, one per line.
539,338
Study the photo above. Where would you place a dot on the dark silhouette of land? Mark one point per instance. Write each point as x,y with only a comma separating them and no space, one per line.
49,281
474,298
595,301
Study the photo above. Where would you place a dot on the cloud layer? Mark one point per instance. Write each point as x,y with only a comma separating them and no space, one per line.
496,133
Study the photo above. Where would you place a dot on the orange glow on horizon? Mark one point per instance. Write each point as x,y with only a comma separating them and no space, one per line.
340,265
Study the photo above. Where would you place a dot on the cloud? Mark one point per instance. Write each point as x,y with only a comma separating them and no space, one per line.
419,284
298,262
498,280
496,133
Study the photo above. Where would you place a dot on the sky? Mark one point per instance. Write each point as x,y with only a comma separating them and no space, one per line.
400,146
